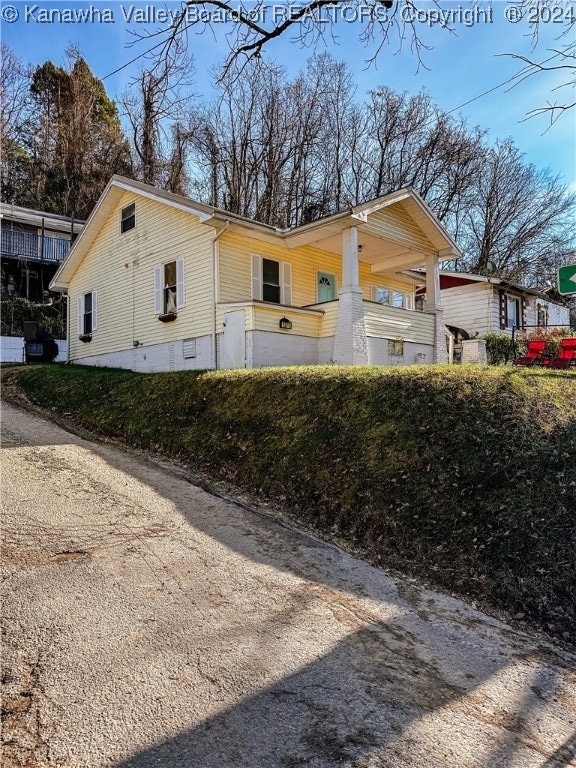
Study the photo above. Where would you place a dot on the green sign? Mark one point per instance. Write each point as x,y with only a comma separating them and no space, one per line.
567,280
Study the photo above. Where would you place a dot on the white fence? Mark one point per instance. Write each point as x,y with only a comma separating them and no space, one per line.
12,349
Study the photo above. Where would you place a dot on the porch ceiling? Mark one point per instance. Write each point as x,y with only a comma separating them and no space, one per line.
382,253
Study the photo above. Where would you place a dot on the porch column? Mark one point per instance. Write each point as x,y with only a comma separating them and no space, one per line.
433,306
350,343
433,300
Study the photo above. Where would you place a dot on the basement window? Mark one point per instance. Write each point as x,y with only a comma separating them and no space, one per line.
128,218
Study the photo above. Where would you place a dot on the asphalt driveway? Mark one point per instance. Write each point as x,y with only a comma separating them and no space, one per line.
149,623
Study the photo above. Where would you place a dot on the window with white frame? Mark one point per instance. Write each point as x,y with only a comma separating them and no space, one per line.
169,287
542,315
86,306
392,297
128,218
271,280
513,316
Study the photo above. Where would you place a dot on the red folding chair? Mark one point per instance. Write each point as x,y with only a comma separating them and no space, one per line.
534,354
566,354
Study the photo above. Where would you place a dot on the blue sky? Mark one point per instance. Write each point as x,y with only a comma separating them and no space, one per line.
460,66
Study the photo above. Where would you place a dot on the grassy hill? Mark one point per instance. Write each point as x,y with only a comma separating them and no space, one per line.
465,476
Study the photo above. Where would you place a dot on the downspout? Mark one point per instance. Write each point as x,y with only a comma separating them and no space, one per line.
68,334
214,260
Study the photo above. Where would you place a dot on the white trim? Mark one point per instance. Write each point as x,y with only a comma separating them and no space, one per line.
407,301
256,265
158,308
269,305
160,199
94,311
121,220
180,285
286,282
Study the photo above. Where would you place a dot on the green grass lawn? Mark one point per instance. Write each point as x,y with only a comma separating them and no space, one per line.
463,475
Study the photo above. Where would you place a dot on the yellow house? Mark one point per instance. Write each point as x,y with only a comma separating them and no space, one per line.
159,282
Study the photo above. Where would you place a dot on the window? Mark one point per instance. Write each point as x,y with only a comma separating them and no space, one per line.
382,296
169,293
271,280
128,218
400,299
326,288
86,311
169,288
512,311
542,319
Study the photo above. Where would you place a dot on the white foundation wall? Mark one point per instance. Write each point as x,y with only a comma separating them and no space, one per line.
156,358
414,354
12,349
326,350
271,349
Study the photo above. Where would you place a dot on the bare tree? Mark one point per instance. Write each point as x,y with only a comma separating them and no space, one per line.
155,106
252,26
560,58
519,219
15,116
406,141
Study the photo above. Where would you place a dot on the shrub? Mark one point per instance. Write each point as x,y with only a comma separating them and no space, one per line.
498,348
51,317
552,337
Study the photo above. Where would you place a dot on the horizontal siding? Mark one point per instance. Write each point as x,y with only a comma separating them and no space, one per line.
470,308
120,267
396,224
386,281
267,319
259,317
385,322
558,315
330,318
234,270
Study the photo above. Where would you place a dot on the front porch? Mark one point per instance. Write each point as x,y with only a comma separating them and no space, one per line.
340,290
255,334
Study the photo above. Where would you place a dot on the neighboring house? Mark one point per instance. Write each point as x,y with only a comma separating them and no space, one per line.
33,245
159,282
480,305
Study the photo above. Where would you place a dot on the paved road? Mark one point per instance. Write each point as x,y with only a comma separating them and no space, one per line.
148,623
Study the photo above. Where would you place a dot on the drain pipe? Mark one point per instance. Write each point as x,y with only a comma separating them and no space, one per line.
214,264
68,333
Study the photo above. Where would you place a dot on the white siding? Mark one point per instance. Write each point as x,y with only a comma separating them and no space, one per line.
471,308
385,322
